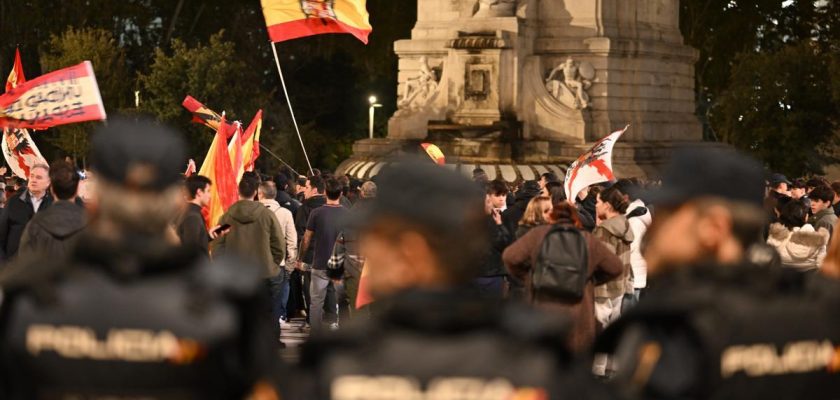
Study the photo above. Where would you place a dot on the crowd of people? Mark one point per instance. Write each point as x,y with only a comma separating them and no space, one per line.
719,281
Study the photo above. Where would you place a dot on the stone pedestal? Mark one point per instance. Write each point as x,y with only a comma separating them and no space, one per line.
520,82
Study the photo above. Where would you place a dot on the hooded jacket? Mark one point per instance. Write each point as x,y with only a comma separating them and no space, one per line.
617,235
254,234
53,230
802,248
287,223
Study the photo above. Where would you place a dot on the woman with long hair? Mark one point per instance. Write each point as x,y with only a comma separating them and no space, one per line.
538,212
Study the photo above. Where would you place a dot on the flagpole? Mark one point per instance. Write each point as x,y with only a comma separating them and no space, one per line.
289,101
278,158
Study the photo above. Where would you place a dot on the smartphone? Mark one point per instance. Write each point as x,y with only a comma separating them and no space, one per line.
221,229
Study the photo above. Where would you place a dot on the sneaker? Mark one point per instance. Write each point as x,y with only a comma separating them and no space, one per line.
334,326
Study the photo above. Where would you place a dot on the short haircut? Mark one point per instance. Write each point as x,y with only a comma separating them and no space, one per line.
64,180
551,185
45,167
248,185
333,189
269,189
317,182
549,177
301,181
793,214
816,182
194,183
497,188
628,187
369,190
798,184
822,193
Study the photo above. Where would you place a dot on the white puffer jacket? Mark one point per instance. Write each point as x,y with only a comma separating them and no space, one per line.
803,248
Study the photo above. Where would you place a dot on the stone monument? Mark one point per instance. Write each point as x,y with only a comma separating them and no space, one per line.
521,87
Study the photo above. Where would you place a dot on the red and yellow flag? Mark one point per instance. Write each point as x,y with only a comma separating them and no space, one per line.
292,19
16,76
235,151
251,142
217,167
434,153
205,116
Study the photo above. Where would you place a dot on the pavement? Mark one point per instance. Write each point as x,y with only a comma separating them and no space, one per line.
293,334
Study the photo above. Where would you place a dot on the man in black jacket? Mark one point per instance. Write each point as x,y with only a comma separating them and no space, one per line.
21,208
514,213
193,228
52,231
314,197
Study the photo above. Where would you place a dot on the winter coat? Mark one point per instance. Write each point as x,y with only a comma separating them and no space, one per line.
617,235
500,238
286,201
53,231
254,234
603,265
13,220
287,223
639,224
803,248
824,219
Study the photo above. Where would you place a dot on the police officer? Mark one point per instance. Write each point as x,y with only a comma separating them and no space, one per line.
130,314
431,336
715,326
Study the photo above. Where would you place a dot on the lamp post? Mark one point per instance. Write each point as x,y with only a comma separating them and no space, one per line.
373,106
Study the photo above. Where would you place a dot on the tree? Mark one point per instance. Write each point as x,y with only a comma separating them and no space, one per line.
777,108
108,58
213,74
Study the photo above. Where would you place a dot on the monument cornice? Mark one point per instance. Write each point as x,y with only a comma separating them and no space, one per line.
618,47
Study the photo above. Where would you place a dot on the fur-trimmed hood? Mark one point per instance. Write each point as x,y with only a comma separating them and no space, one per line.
800,245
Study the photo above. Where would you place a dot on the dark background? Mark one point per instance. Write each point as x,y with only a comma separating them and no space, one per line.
768,76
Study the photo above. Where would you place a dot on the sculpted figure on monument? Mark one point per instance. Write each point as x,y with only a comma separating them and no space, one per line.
419,88
495,8
576,79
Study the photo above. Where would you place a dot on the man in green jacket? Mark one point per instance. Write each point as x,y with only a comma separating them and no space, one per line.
254,234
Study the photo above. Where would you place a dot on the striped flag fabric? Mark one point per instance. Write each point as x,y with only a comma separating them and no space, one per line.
205,116
251,142
217,167
292,19
16,77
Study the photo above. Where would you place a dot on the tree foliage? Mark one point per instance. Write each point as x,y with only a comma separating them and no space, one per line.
100,48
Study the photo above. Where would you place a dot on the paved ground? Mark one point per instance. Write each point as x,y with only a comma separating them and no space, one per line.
293,335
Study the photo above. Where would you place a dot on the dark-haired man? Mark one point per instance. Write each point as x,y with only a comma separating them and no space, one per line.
255,235
822,214
313,197
51,232
193,227
322,230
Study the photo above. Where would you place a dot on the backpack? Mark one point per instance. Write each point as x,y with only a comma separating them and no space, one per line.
562,266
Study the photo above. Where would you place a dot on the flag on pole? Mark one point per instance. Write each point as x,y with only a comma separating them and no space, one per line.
251,145
292,19
217,167
16,76
205,116
592,167
235,151
66,96
435,153
18,148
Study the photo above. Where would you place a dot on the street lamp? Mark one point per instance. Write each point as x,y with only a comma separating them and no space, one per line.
373,106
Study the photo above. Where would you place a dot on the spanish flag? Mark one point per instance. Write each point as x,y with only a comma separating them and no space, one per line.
251,142
292,19
217,167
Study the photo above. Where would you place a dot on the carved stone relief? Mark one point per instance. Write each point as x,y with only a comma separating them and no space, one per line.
569,81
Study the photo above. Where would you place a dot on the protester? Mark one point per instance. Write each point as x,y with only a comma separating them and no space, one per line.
283,198
546,178
497,192
255,236
266,196
53,231
193,227
322,230
715,326
798,189
346,256
602,267
614,230
536,214
313,198
779,186
822,214
128,301
799,244
640,220
430,336
513,214
490,281
21,207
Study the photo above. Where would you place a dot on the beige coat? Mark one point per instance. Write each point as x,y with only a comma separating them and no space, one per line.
617,235
287,223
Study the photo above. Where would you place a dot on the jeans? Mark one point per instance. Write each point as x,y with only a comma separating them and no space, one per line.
276,285
320,287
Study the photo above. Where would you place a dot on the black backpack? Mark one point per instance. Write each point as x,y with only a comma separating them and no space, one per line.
562,266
